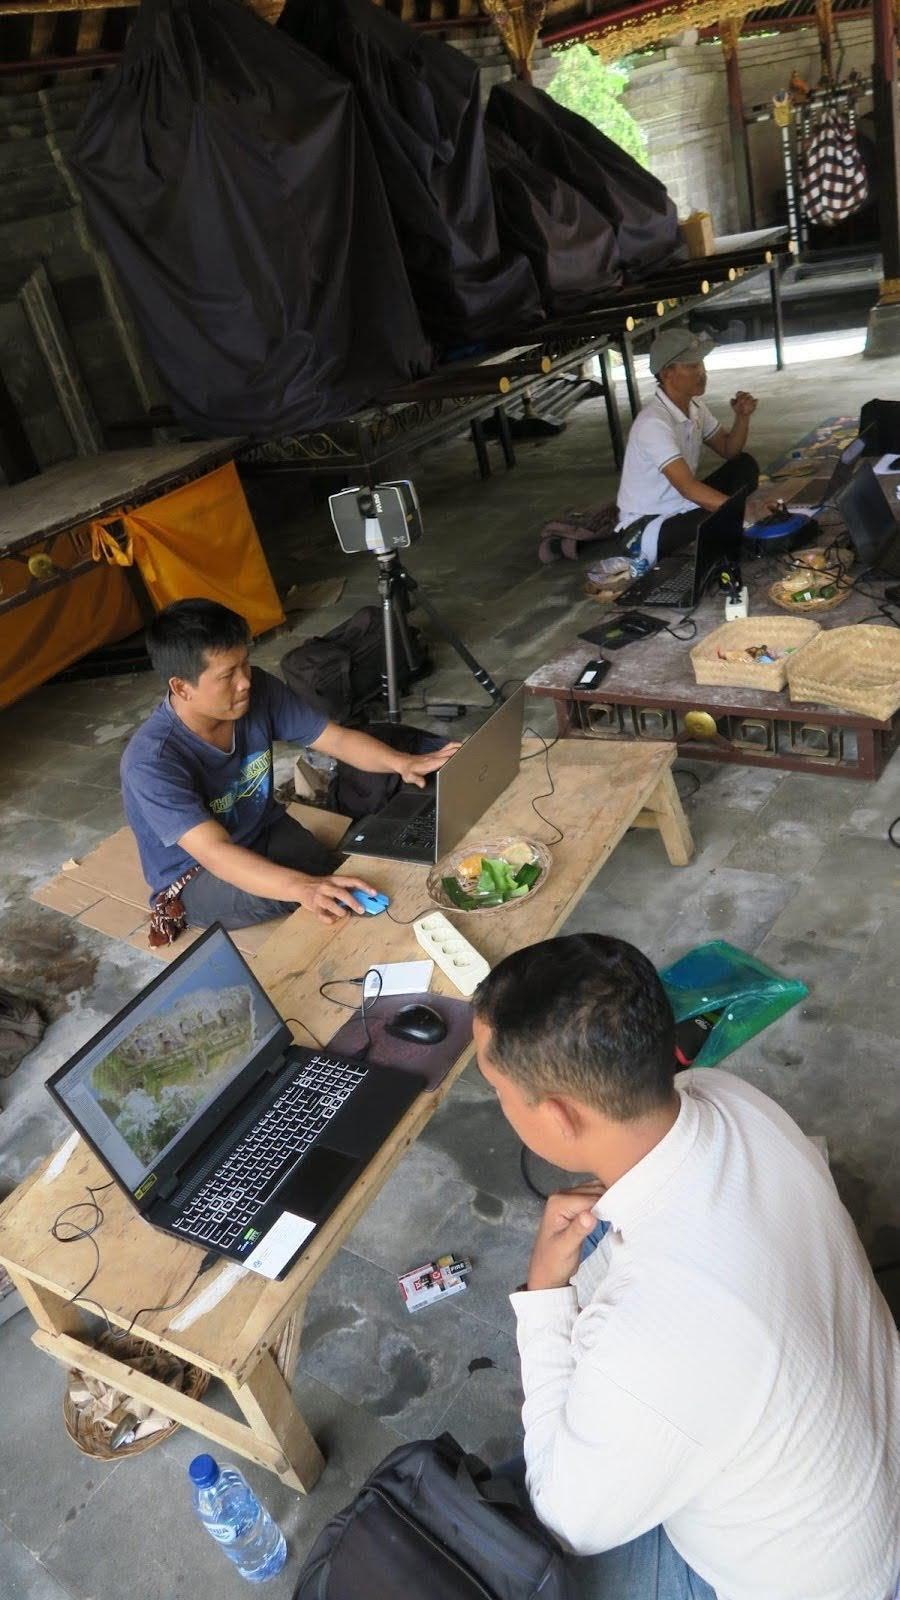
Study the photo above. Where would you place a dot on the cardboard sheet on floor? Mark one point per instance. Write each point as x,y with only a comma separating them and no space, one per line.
105,890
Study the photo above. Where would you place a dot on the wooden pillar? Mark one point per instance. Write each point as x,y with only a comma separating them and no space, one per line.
825,25
518,23
883,336
729,32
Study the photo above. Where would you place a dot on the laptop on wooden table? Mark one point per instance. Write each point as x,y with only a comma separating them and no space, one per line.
219,1128
423,824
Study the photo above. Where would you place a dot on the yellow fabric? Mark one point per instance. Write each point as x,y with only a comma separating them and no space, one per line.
38,639
106,548
201,541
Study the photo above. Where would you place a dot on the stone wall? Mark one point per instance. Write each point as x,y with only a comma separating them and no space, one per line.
494,64
678,96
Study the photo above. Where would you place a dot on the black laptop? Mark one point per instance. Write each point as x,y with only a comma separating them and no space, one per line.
423,824
817,493
680,584
217,1126
871,523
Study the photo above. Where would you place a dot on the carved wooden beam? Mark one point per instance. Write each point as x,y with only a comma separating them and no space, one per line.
825,25
518,22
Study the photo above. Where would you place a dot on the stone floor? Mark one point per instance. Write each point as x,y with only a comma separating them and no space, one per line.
795,868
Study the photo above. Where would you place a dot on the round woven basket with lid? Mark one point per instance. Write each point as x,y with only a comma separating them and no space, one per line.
855,669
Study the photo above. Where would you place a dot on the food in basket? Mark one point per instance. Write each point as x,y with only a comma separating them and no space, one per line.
482,881
763,655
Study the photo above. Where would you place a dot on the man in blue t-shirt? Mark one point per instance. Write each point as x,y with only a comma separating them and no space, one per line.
197,782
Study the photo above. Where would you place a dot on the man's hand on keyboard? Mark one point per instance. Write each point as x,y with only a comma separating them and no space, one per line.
330,899
415,769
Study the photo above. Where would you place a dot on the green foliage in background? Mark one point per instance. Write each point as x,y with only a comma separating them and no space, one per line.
594,89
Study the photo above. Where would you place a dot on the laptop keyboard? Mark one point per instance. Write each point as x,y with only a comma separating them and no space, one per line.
419,833
230,1197
674,591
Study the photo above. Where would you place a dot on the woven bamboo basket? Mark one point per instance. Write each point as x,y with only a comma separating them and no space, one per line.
807,608
490,847
784,633
855,669
91,1436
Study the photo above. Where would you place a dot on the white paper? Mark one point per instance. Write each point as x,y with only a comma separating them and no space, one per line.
883,468
277,1246
399,977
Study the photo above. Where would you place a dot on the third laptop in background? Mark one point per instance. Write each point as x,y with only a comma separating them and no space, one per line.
680,582
870,522
819,492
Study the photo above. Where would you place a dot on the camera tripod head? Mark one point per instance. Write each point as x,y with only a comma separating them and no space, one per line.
376,519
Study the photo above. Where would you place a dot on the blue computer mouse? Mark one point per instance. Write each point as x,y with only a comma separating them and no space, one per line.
371,903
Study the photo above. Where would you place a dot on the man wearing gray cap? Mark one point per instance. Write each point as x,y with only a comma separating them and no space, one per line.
661,500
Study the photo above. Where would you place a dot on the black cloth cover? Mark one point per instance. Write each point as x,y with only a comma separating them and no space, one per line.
421,102
571,246
230,176
637,204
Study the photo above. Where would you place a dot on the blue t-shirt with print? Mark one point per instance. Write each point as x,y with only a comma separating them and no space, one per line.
172,780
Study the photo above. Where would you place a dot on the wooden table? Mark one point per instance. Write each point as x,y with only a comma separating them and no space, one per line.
242,1328
651,691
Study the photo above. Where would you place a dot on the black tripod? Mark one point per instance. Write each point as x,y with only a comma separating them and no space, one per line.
395,586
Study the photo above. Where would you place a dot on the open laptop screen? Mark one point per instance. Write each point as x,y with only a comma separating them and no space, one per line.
150,1075
868,515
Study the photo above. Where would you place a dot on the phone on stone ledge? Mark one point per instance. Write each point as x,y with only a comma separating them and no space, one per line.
592,675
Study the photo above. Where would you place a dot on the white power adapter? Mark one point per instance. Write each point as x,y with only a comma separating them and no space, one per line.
736,610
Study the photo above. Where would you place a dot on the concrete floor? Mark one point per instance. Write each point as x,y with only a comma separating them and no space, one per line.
795,868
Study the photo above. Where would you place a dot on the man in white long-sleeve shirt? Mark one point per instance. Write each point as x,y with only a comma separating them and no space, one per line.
712,1397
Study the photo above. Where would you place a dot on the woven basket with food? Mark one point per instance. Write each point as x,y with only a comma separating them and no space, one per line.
500,874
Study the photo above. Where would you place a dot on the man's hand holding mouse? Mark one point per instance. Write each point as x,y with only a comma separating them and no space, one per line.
566,1222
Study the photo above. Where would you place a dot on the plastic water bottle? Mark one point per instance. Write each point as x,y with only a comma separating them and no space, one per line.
637,561
230,1511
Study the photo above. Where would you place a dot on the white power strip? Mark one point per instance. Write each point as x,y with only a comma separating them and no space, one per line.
453,954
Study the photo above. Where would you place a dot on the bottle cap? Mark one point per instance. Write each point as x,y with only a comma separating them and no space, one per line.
203,1471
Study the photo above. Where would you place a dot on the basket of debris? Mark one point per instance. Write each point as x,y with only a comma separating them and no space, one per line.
107,1423
752,652
855,669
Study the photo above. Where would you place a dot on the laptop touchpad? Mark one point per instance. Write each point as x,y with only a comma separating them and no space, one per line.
321,1175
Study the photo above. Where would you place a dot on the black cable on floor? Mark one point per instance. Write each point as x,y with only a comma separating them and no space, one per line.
527,1179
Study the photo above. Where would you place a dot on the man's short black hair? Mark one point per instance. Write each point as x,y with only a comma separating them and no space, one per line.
585,1016
182,636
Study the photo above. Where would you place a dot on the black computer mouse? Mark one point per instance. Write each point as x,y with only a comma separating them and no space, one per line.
419,1024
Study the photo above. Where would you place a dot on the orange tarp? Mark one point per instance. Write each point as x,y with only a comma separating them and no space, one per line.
38,639
199,540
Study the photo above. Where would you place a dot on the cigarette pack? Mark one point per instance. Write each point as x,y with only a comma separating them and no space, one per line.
433,1281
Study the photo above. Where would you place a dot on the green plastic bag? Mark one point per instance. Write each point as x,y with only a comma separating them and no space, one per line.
719,977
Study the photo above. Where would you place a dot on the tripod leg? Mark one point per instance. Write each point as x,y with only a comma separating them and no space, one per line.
481,677
413,660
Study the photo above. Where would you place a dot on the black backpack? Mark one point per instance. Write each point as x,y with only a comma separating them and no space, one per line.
431,1521
885,415
339,673
360,794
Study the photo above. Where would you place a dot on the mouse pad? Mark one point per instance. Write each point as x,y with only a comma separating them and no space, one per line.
432,1060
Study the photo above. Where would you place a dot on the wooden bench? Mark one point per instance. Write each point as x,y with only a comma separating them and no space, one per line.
242,1328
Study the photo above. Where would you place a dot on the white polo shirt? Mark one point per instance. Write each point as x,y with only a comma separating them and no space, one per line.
659,434
723,1364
